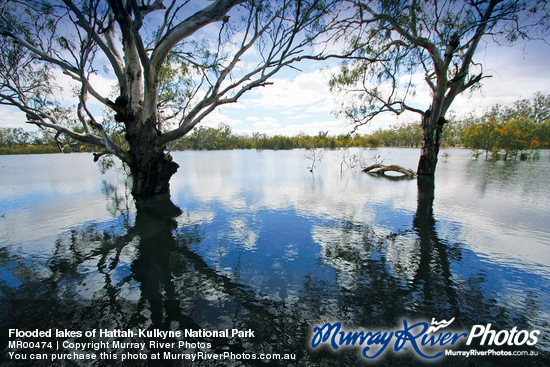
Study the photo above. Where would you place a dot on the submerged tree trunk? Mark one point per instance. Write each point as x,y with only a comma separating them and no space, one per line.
379,169
151,173
432,126
150,166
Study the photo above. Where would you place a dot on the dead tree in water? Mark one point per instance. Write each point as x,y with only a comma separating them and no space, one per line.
380,170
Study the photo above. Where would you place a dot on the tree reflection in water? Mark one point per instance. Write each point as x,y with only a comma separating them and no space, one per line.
139,272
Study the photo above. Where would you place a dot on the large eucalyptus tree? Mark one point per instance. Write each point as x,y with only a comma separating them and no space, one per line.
434,39
173,62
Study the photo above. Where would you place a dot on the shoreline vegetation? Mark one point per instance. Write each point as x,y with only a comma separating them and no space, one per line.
516,132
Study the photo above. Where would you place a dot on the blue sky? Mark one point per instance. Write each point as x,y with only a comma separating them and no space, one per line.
300,101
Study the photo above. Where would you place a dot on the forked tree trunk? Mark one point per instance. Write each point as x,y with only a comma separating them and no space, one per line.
432,126
151,168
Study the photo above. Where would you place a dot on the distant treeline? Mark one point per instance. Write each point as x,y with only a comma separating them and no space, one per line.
20,141
503,132
515,131
208,138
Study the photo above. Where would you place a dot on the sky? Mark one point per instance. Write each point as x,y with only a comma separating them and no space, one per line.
300,102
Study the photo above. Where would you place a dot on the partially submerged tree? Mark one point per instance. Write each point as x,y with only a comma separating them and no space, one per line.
173,62
434,39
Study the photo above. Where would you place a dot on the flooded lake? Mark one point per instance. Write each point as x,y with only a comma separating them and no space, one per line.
254,241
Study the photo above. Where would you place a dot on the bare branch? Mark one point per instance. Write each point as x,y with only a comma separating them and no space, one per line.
212,13
107,47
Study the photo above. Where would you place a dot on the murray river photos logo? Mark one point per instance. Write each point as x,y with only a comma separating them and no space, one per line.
428,341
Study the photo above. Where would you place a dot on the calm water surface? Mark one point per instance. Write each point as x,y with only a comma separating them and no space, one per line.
255,240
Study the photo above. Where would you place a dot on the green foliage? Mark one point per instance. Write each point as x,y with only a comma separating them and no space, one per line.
20,141
174,90
508,132
395,41
517,131
208,138
511,132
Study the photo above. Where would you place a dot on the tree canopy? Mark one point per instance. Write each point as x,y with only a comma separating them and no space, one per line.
173,62
402,45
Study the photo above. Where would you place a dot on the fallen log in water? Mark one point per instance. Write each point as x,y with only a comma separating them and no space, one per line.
380,170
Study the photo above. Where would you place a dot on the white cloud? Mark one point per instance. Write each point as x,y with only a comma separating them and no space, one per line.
299,117
267,123
12,117
305,89
216,117
334,127
104,86
516,72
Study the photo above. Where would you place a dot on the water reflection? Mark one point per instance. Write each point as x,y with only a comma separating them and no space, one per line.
158,265
139,277
433,272
415,274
